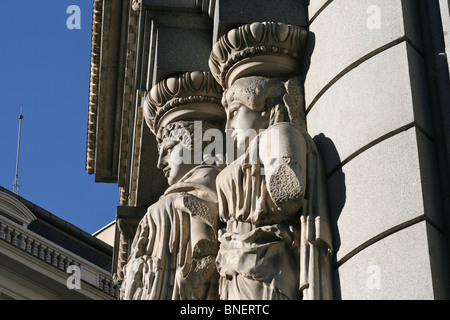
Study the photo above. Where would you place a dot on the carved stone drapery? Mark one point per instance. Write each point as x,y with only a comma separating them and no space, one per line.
173,252
277,241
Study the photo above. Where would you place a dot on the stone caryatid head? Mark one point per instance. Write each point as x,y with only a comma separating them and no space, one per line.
259,65
171,109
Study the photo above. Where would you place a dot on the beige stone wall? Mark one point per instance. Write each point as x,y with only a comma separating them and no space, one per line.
368,109
107,234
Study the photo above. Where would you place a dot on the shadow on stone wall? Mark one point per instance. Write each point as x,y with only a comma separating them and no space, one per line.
336,188
336,192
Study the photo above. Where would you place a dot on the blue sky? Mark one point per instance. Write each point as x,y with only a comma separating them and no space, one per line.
45,66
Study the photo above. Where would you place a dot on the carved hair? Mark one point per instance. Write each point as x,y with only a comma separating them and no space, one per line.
284,99
184,131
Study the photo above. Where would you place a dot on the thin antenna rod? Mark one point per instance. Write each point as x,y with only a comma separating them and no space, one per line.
16,179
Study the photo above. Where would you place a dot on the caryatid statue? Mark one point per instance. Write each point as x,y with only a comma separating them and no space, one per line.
174,250
277,242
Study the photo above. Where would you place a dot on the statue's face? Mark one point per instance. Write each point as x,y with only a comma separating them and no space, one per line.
246,113
171,162
245,123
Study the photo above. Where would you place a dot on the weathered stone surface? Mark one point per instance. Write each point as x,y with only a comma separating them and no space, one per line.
269,248
367,82
172,255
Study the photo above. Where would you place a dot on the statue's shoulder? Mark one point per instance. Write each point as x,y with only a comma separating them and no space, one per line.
210,171
202,176
287,127
285,133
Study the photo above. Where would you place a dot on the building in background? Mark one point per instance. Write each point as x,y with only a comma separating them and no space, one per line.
377,101
43,257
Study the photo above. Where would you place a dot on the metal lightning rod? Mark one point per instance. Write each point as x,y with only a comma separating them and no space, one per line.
16,179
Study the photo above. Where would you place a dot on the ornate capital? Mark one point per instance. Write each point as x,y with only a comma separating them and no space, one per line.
189,96
260,48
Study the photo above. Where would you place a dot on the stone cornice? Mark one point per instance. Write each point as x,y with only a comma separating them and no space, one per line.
94,83
128,101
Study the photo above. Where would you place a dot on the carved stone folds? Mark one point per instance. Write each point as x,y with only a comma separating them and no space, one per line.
277,241
274,241
173,252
